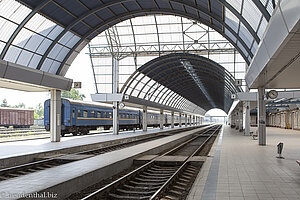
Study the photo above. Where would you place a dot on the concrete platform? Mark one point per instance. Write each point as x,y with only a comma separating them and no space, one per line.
240,169
72,177
20,152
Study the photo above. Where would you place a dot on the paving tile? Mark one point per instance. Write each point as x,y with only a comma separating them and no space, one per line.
253,172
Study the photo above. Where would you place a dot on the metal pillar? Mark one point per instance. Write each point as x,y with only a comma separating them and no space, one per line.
241,120
55,115
190,120
261,117
172,119
115,90
180,122
185,119
247,118
161,119
144,118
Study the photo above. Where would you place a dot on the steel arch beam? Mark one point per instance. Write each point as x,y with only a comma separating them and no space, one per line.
158,11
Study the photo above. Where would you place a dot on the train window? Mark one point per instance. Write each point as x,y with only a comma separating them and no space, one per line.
110,115
79,113
92,114
104,114
128,116
85,113
98,114
73,113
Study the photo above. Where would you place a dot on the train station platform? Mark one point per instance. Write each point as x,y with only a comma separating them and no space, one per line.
239,169
19,152
72,177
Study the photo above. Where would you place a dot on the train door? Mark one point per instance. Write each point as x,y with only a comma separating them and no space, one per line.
74,117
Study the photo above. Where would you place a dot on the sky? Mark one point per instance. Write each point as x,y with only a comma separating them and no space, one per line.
80,71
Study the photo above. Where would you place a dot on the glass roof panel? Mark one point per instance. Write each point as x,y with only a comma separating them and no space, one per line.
251,13
245,35
262,28
12,54
24,58
2,45
236,4
34,61
231,20
9,27
13,10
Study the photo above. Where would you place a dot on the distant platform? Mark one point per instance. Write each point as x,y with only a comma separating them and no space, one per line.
241,169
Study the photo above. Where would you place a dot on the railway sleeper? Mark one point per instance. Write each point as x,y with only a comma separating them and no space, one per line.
153,188
169,197
160,171
133,192
152,180
175,192
116,196
145,184
156,176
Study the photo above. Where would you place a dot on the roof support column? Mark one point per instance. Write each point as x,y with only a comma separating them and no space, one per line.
55,115
161,119
247,117
172,119
180,122
190,119
241,119
185,120
144,118
261,116
115,90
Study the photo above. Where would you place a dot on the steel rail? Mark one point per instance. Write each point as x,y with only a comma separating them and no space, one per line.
141,168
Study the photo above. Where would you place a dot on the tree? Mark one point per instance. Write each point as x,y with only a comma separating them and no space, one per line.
73,94
20,105
38,111
4,103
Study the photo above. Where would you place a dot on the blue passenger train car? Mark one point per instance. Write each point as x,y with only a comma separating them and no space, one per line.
79,117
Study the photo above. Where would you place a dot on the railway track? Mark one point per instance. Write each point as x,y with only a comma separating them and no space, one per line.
20,170
159,180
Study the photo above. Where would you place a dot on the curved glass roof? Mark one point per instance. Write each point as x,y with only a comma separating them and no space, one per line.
141,39
179,78
48,35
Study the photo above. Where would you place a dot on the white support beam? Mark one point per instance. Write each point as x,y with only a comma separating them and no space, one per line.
115,92
145,118
185,120
116,118
261,117
172,119
161,119
180,119
55,115
247,117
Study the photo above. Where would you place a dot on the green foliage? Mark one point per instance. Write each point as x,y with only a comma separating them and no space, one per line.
20,105
4,103
39,112
73,94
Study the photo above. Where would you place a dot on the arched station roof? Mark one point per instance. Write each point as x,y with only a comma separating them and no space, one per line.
174,78
48,34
